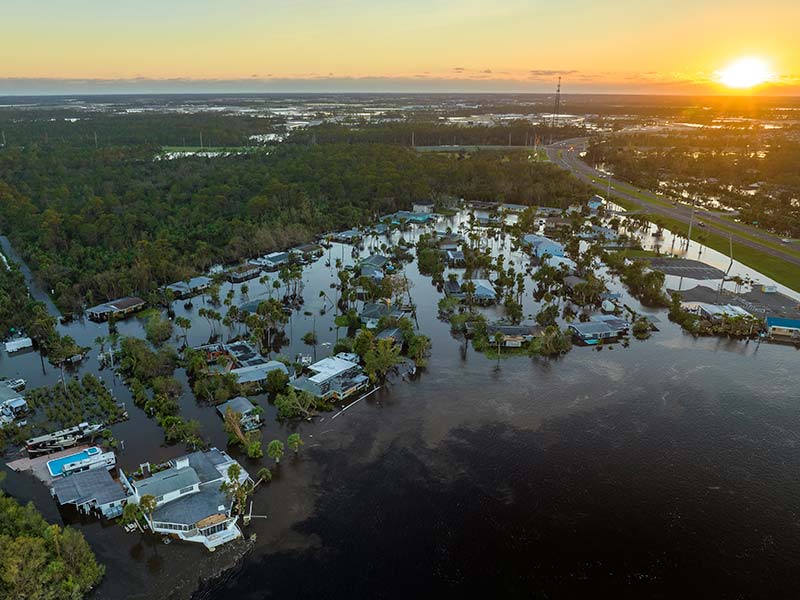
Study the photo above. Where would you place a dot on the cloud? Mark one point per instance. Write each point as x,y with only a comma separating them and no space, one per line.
551,72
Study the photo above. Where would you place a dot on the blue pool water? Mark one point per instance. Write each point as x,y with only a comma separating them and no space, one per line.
56,465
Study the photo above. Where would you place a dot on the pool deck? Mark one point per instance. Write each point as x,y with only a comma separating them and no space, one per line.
38,465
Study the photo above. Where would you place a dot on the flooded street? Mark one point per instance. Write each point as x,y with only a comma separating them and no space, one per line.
635,469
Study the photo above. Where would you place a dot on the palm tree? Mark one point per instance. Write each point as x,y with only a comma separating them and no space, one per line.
294,442
264,475
148,504
275,450
498,339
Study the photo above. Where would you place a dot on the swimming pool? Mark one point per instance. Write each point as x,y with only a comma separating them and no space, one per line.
56,466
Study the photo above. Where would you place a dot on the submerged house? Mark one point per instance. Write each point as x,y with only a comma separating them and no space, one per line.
189,502
596,330
373,266
539,245
373,312
190,287
514,336
483,291
334,377
454,258
249,416
90,491
122,307
258,373
595,202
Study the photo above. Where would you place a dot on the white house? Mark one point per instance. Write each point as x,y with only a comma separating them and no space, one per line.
189,501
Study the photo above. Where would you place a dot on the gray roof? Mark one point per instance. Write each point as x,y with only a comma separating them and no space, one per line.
393,333
594,328
85,486
195,507
376,260
205,464
240,404
374,310
167,481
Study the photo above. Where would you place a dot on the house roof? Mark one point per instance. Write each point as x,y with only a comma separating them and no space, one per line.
483,288
513,330
240,405
191,508
118,304
572,280
783,322
85,486
593,328
254,373
375,260
169,480
330,367
210,465
374,310
391,333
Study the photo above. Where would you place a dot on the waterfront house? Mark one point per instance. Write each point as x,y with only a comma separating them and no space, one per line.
422,206
783,329
242,273
539,245
333,378
88,491
306,251
714,312
347,237
596,232
189,502
119,308
271,262
249,417
191,287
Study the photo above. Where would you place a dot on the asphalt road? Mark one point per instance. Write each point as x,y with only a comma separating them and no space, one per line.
570,161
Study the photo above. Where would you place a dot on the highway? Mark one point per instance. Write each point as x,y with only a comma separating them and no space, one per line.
565,155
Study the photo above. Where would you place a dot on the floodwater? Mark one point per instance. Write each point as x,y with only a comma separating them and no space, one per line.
666,468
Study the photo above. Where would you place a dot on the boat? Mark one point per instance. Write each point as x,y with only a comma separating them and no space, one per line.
62,439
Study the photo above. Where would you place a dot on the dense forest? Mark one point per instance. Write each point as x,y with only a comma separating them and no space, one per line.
40,561
99,223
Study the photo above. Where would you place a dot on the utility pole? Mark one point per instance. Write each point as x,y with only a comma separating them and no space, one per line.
201,140
413,141
554,120
691,222
4,138
95,140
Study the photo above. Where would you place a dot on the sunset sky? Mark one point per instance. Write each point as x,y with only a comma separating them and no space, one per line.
642,46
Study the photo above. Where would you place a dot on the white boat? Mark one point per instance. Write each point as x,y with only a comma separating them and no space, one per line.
64,438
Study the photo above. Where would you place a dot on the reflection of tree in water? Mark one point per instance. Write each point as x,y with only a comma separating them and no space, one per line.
278,341
137,551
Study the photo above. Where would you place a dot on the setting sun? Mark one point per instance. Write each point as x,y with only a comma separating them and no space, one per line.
745,73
